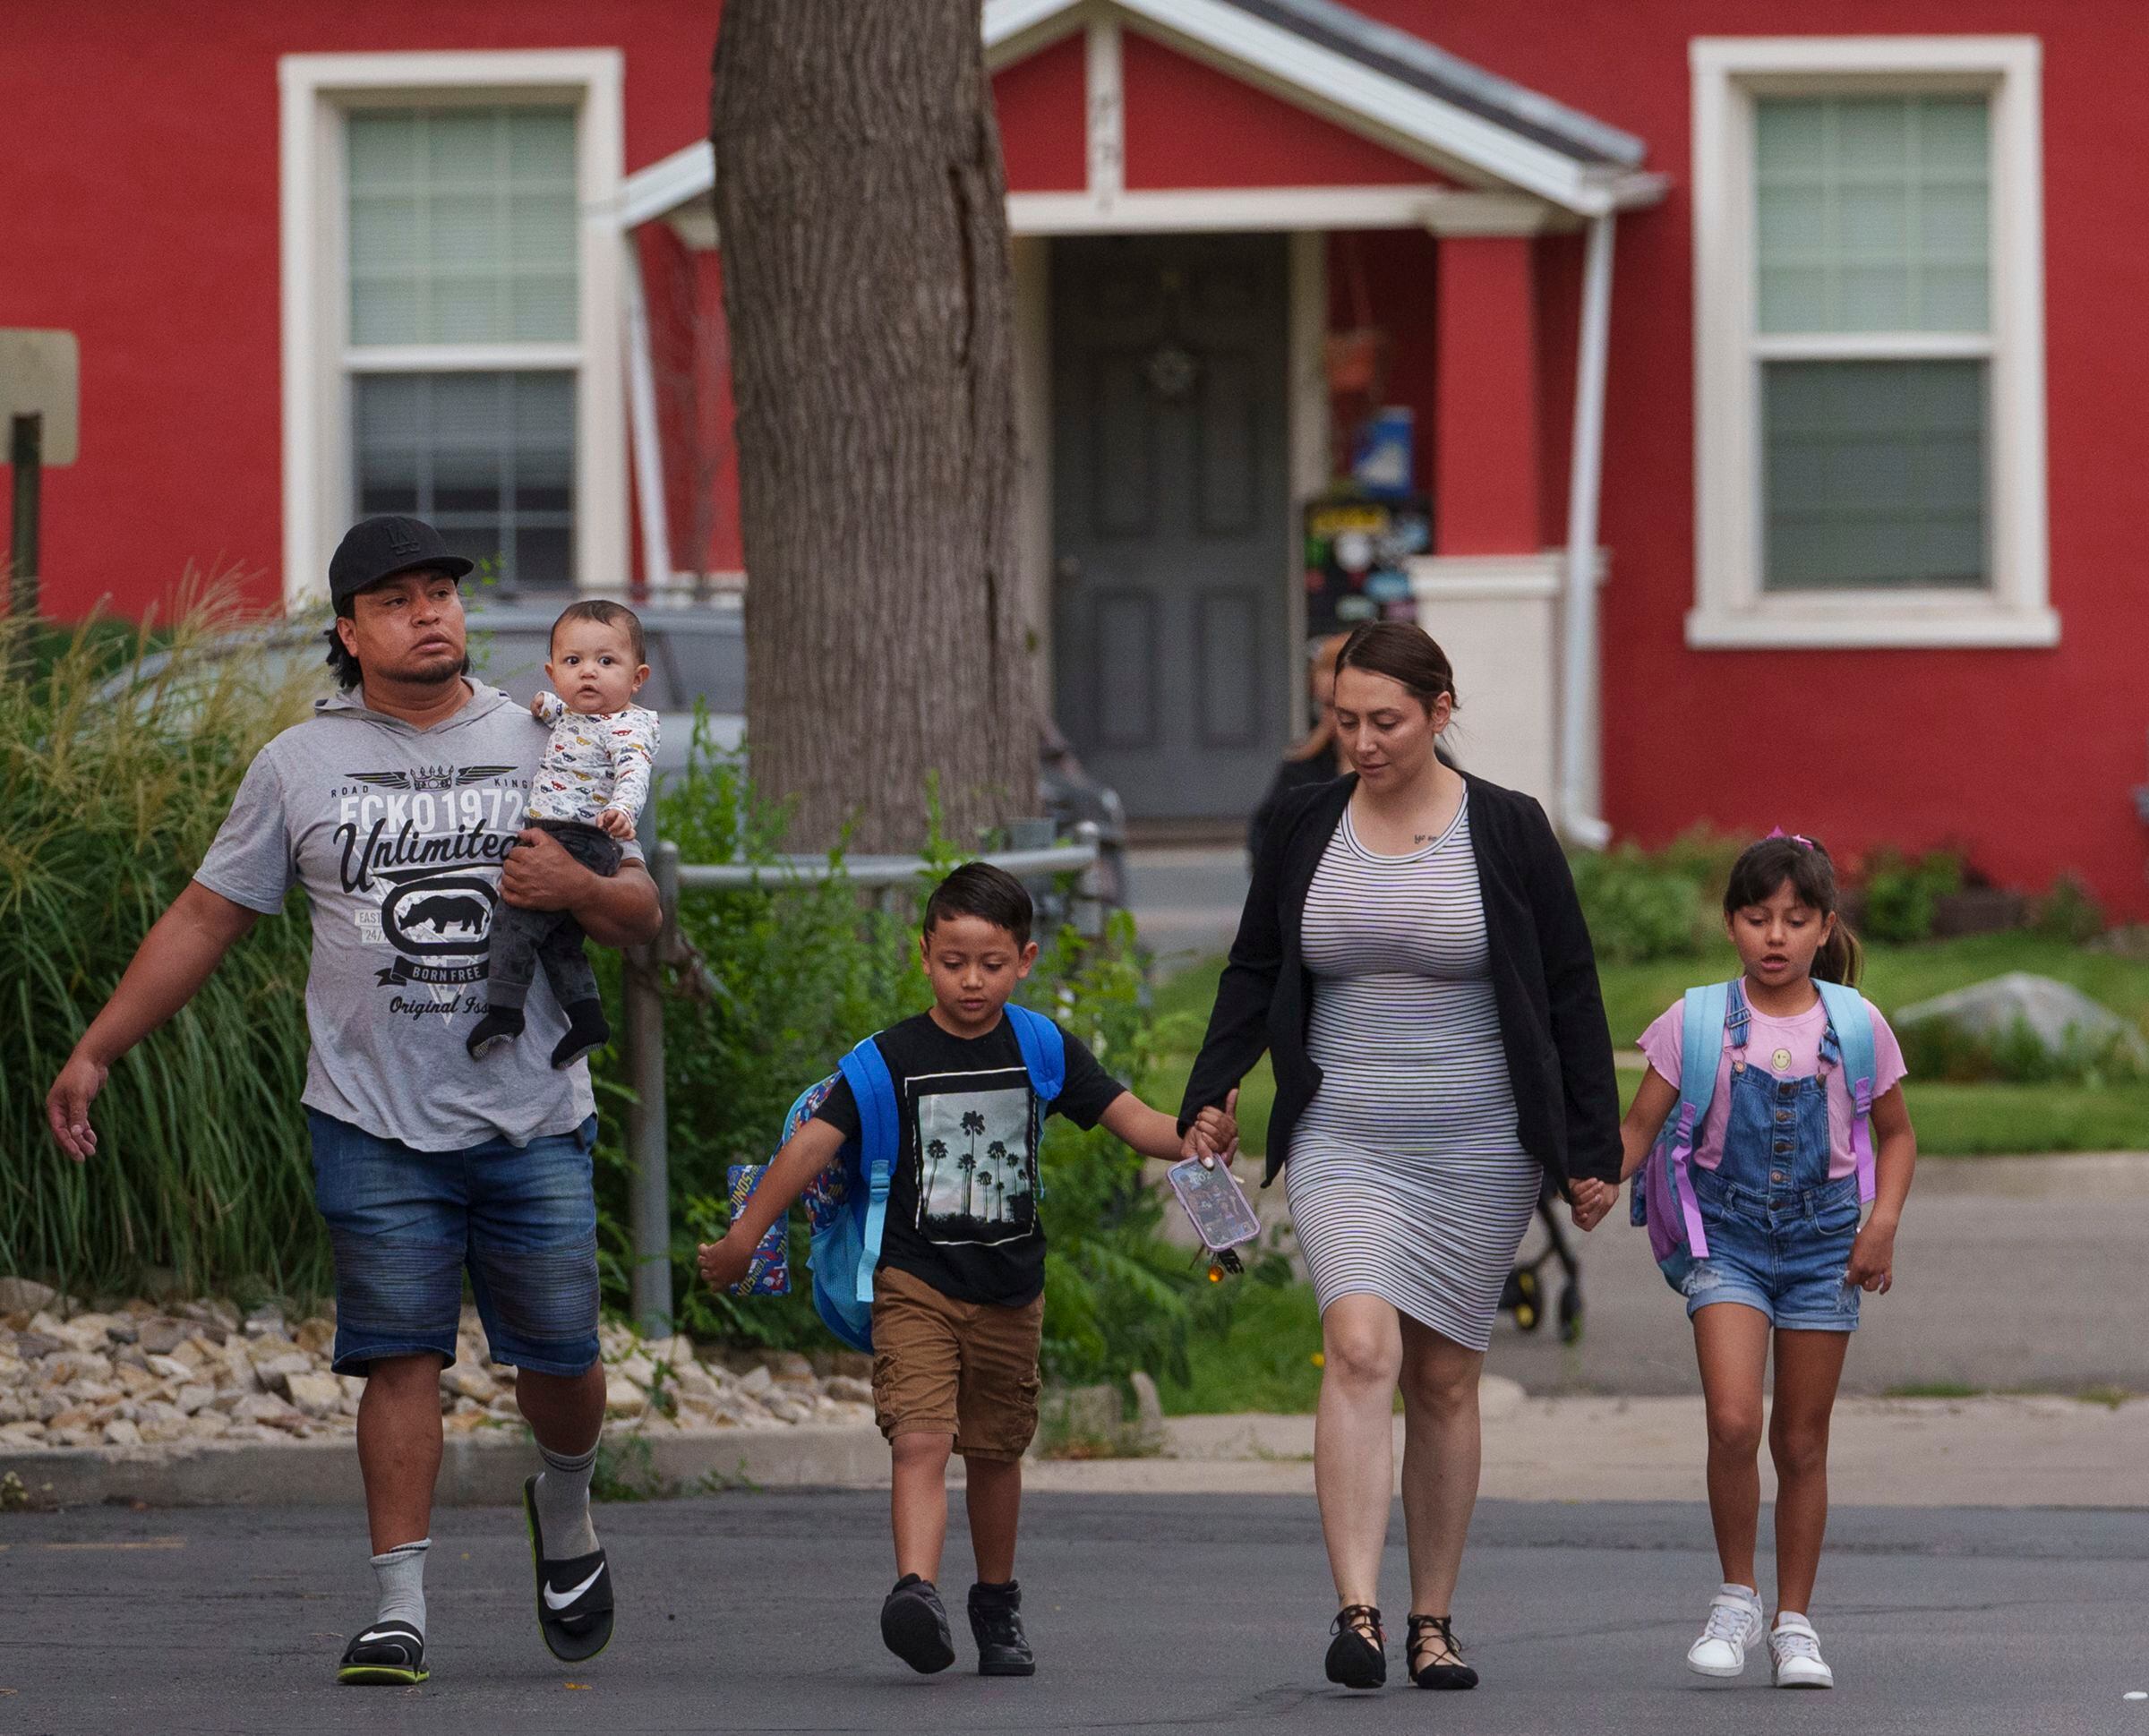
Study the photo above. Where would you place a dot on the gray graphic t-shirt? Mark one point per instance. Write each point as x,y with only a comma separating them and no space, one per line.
398,834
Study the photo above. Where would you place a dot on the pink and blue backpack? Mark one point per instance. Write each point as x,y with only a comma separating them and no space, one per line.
1663,1197
847,1203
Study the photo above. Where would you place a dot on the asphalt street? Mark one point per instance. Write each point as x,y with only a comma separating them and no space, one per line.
753,1612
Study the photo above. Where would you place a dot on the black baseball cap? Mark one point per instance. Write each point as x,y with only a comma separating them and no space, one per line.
381,547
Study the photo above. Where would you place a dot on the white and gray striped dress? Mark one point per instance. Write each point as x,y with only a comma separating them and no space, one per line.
1406,1178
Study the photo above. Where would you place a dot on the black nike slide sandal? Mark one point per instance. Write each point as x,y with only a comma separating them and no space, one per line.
574,1597
387,1655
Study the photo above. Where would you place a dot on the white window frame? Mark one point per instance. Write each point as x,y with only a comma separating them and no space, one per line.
1730,607
317,91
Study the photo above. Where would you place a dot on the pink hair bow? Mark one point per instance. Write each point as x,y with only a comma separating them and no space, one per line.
1803,842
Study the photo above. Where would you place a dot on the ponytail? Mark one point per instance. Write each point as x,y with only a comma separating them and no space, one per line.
1841,958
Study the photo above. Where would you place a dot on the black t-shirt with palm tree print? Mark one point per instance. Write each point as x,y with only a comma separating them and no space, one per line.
962,1201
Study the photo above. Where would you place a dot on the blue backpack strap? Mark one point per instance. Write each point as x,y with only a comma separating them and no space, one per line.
1701,1049
1852,1021
1044,1051
879,1138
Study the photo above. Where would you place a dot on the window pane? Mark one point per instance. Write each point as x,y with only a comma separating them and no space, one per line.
488,458
1872,213
463,226
1874,475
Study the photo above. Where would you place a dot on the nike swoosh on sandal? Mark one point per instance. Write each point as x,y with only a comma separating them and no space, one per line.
560,1600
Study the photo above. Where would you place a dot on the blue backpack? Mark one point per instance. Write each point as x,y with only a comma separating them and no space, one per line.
1663,1197
847,1203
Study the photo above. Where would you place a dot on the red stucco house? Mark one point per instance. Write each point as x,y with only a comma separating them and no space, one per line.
1775,369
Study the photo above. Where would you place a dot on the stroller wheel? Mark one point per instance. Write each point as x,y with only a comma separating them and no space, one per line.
1521,1299
1571,1313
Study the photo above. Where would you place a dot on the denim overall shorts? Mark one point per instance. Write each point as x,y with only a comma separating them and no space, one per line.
1779,1230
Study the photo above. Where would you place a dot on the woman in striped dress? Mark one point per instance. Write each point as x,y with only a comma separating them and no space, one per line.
1413,956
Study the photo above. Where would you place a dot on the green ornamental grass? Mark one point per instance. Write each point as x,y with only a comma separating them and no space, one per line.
114,783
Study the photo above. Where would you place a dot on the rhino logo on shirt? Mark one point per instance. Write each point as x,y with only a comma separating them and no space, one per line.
445,910
440,924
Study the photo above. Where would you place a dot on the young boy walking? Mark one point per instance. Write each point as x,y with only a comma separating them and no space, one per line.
958,1294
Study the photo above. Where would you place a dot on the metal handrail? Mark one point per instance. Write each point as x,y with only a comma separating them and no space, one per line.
642,1039
872,873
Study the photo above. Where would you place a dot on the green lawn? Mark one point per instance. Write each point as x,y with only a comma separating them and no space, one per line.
1952,1120
1264,1357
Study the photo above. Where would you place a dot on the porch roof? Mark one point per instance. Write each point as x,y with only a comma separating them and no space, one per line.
1370,77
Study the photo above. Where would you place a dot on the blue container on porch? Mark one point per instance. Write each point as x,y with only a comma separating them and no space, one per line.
1386,457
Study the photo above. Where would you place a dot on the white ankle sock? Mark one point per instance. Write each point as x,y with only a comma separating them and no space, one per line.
562,1497
401,1572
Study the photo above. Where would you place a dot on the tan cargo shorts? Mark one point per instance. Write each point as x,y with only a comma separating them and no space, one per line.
968,1369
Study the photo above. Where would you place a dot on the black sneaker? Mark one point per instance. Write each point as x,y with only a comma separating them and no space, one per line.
387,1655
586,1033
995,1619
574,1597
913,1624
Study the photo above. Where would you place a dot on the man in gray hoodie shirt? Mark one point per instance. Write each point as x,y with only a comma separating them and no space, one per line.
398,806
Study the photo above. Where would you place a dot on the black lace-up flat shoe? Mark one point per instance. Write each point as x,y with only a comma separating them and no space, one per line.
1435,1659
1357,1656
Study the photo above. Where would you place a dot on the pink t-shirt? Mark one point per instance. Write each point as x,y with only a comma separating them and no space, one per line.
1783,1048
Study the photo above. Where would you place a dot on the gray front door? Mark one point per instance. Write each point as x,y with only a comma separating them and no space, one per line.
1171,507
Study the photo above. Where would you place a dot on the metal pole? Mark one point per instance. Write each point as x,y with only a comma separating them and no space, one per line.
646,1149
25,453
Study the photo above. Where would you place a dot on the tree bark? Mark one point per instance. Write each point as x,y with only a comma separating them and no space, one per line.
861,206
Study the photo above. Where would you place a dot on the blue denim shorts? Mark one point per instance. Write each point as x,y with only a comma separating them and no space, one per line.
1786,1255
406,1224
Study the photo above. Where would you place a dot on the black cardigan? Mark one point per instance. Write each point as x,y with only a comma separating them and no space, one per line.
1551,1015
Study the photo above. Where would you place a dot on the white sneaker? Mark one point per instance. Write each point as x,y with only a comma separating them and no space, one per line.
1734,1623
1794,1654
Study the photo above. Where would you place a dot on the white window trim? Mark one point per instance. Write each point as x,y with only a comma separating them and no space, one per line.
1730,607
317,90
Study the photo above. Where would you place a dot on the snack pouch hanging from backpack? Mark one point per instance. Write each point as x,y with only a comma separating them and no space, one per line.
847,1203
1663,1197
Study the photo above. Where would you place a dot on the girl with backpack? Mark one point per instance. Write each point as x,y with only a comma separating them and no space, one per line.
1786,1087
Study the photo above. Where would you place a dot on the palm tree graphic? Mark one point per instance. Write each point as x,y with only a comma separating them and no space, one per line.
973,1124
936,1150
967,1162
997,1153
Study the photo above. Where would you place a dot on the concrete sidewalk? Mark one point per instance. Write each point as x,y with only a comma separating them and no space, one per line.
1998,1452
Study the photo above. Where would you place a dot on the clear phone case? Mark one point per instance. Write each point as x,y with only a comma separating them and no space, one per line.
1223,1215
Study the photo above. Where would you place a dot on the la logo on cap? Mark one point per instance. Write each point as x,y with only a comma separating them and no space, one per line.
400,542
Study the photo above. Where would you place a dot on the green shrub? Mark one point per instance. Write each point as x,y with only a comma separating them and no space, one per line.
1644,905
1939,1048
2070,911
113,785
1903,895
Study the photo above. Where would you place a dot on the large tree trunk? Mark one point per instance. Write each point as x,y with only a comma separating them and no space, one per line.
861,209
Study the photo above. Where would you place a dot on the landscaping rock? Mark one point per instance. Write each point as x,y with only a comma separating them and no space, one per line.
24,1295
1148,1413
467,1381
2057,1014
138,1377
160,1335
272,1372
317,1395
